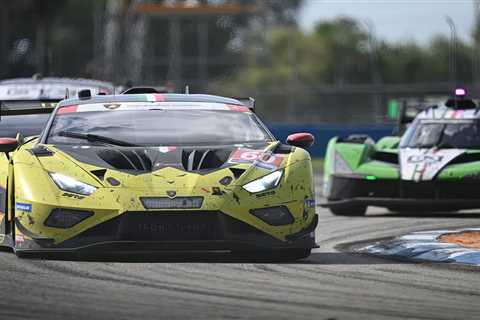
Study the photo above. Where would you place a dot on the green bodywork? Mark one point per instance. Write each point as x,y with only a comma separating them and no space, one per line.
360,160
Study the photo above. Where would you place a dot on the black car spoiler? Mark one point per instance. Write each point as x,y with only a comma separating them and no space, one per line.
27,107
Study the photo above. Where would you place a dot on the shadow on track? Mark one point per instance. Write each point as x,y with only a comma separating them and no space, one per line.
426,214
320,258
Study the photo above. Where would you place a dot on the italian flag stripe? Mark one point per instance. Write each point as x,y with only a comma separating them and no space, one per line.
155,97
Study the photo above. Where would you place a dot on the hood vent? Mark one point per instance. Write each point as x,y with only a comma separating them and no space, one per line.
100,174
204,159
126,159
237,172
385,157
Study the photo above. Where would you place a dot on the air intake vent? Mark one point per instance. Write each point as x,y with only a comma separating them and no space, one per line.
196,159
237,172
100,174
465,158
126,159
385,157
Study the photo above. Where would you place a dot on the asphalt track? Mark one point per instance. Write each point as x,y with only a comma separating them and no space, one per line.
331,284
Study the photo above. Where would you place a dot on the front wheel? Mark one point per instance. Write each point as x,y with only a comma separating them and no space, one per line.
350,210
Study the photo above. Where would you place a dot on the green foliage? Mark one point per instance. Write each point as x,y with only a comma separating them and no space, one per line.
340,52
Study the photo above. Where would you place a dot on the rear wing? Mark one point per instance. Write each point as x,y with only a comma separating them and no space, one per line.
26,107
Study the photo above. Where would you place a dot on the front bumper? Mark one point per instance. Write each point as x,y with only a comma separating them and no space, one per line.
140,232
435,194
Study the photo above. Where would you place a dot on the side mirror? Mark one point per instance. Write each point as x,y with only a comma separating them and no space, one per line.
301,140
8,144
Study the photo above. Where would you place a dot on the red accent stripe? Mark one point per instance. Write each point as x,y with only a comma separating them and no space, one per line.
68,109
159,97
238,108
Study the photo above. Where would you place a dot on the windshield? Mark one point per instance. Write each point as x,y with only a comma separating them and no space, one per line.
157,128
464,134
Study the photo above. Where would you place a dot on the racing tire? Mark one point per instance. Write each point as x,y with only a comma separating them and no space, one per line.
349,210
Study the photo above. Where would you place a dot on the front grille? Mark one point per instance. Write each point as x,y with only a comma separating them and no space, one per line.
168,226
175,203
418,190
141,226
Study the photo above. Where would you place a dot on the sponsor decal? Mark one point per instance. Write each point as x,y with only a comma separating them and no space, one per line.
242,155
25,207
424,164
428,158
73,196
310,203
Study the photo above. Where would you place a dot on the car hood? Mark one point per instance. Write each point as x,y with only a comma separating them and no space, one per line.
181,167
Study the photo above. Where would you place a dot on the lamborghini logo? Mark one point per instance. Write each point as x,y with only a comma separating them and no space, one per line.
171,194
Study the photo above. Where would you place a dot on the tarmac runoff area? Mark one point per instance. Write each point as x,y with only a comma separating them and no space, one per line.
460,246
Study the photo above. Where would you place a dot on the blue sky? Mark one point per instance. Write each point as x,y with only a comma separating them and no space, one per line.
396,20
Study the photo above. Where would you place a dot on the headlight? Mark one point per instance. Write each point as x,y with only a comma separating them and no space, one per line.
267,182
71,185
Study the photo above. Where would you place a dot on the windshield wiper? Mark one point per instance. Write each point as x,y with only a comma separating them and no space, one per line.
96,138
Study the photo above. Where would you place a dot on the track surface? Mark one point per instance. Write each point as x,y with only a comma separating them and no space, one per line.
328,285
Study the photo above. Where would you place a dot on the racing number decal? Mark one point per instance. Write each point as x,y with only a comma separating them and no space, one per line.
257,157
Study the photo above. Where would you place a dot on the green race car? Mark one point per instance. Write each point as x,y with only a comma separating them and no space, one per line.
138,173
433,166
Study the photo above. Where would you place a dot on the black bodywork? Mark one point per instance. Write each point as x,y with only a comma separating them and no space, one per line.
399,194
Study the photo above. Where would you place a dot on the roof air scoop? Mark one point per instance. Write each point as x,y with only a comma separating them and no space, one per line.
460,101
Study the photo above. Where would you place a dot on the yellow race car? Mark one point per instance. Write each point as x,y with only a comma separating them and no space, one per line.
148,172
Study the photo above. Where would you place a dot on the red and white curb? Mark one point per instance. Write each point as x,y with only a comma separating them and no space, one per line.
426,246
